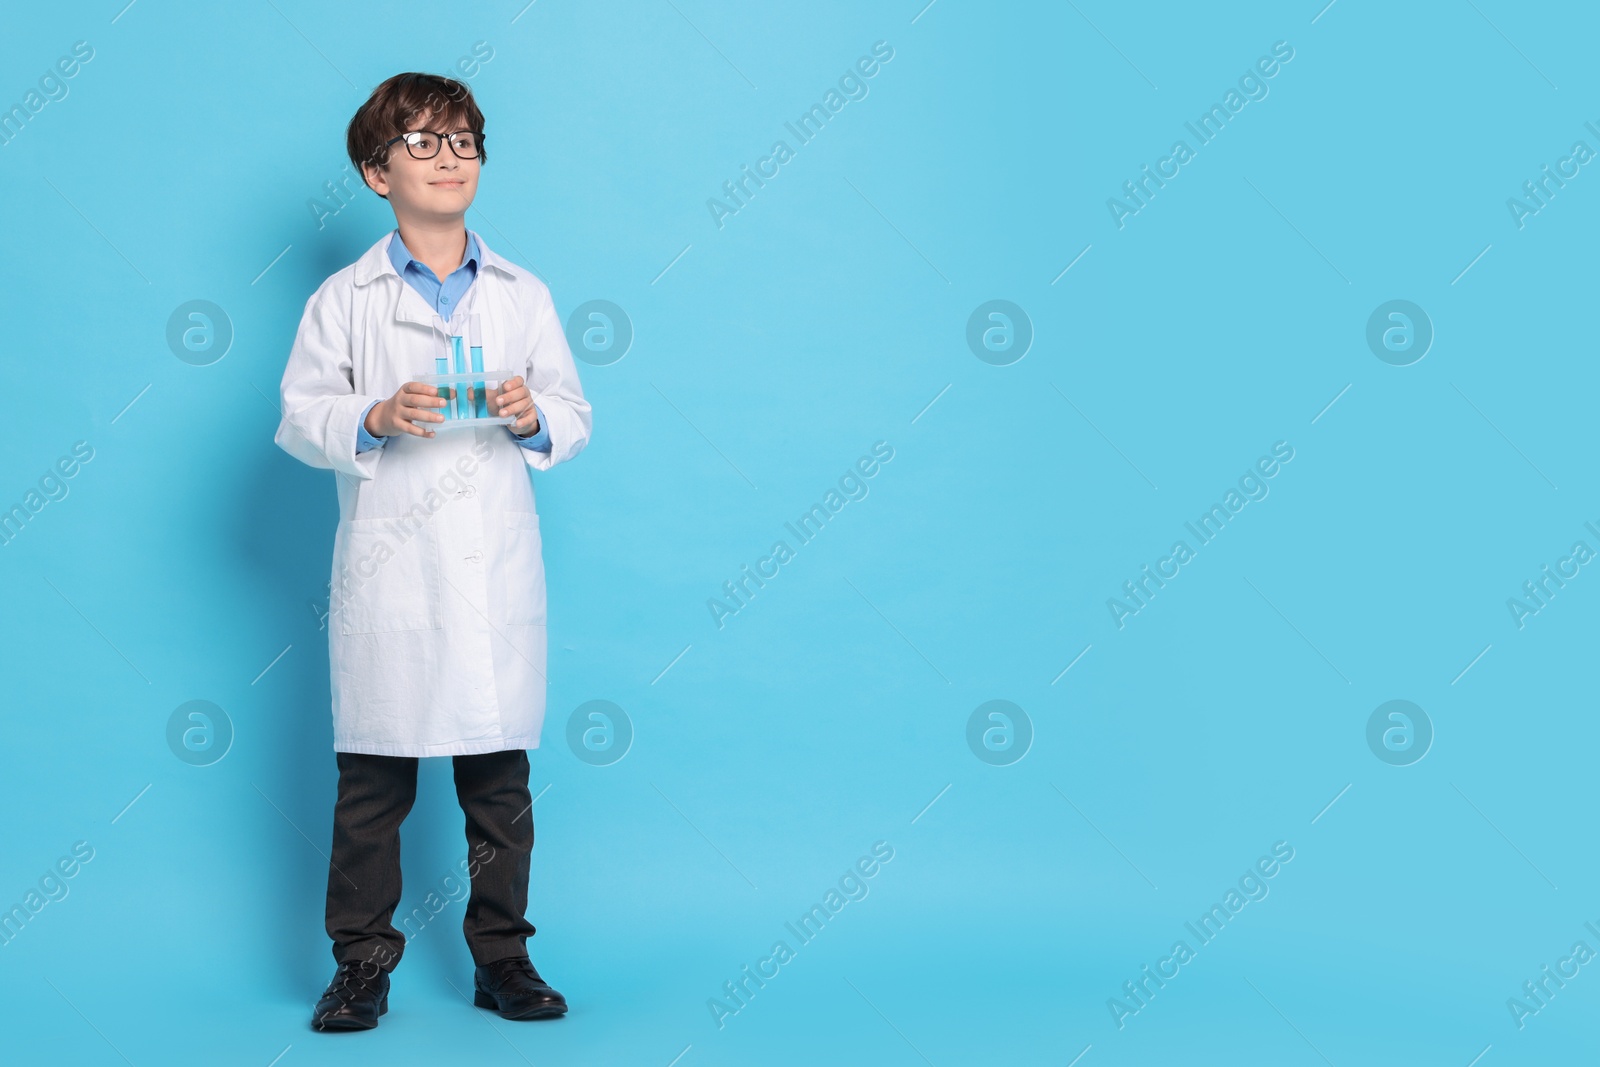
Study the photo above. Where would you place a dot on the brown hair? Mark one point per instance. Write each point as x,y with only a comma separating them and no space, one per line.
397,103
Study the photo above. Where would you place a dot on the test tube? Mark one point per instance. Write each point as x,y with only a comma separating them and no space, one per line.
462,411
442,366
474,325
480,395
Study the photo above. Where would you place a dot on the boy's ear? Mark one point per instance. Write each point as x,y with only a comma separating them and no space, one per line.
372,174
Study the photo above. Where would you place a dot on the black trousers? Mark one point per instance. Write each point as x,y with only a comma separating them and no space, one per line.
375,795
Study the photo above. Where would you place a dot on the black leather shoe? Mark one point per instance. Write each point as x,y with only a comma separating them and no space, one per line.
358,994
514,989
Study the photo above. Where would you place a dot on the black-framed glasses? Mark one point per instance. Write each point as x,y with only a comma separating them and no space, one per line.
425,144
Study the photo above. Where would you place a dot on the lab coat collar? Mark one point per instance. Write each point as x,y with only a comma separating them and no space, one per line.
402,258
375,260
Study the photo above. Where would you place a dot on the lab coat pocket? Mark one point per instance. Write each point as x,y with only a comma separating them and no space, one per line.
392,581
522,602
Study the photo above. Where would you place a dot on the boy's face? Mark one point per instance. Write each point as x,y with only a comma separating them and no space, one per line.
438,189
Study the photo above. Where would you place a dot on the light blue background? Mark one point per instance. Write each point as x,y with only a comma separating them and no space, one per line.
826,315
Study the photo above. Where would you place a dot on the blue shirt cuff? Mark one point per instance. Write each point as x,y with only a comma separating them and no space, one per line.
364,440
539,442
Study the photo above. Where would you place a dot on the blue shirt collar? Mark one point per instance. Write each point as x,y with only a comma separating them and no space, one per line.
402,258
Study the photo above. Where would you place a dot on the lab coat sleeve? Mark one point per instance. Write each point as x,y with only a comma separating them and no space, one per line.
321,409
552,379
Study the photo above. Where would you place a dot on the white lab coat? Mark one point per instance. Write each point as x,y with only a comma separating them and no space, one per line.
436,625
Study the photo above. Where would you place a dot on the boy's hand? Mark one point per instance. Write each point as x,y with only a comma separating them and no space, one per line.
413,400
513,399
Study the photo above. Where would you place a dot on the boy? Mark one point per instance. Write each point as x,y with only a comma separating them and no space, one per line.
436,630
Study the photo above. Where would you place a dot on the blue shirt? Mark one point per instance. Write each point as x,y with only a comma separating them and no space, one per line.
443,297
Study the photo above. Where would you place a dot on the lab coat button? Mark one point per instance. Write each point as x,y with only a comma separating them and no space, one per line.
476,557
470,490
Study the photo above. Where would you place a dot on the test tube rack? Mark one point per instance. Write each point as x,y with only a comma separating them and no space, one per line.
466,398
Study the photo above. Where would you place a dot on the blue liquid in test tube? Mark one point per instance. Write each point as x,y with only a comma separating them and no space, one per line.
480,395
442,366
462,411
